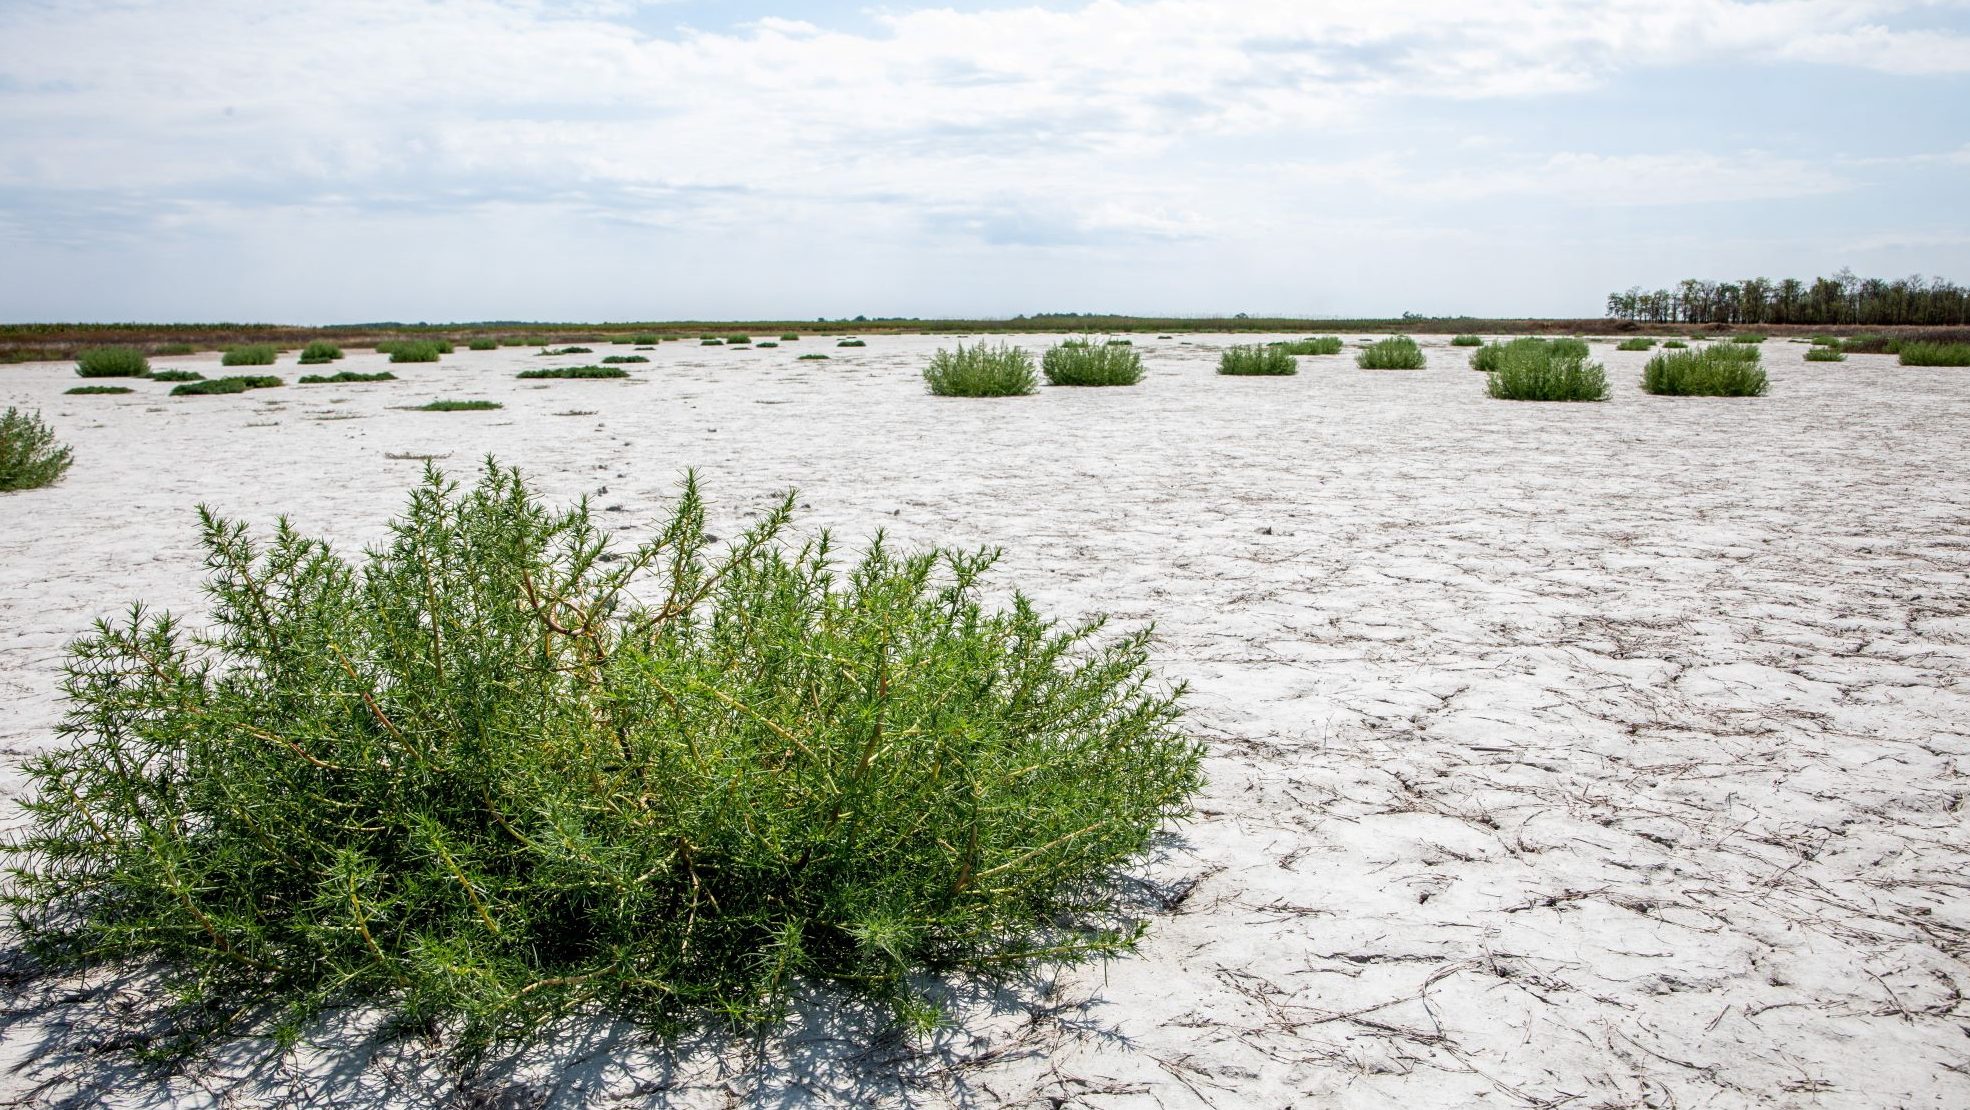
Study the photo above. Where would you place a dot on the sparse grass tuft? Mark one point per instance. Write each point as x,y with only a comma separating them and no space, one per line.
1544,371
347,377
112,362
1869,344
576,372
645,340
414,351
851,343
1636,344
1674,345
552,351
29,456
1825,354
785,772
981,371
1254,361
458,406
91,390
177,376
1825,341
1076,363
1722,370
318,352
811,358
1467,341
615,360
1934,354
1397,352
1748,337
250,354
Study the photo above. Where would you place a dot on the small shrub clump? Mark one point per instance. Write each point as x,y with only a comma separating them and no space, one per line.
737,340
645,340
811,358
112,362
551,351
176,376
1397,352
30,458
1825,341
414,350
318,352
981,371
1467,341
789,337
576,372
1255,361
1826,354
1674,345
347,377
88,390
251,354
1934,354
1637,344
1544,371
764,344
1323,345
712,342
615,360
458,406
851,343
1748,337
483,343
499,771
1868,344
1075,362
176,349
1722,370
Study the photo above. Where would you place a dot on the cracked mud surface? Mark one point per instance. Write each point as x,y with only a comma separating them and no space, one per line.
1589,755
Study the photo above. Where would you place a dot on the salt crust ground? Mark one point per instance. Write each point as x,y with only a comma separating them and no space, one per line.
1561,755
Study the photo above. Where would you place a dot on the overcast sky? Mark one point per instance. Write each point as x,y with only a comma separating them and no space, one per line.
315,162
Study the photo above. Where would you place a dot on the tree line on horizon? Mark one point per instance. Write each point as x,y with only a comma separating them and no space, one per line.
1840,299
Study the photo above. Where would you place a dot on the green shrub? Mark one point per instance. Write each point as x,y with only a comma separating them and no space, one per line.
1544,371
1325,345
483,344
1748,337
176,349
1467,341
348,377
811,358
1570,345
616,360
1934,354
518,341
711,342
1869,344
112,362
645,340
1397,352
1825,341
29,456
1076,363
552,351
1636,344
234,384
981,371
473,781
250,354
577,372
1255,361
1121,343
1491,357
737,340
1722,370
88,390
414,351
319,351
702,338
851,343
1674,345
764,344
177,376
459,406
789,337
1825,354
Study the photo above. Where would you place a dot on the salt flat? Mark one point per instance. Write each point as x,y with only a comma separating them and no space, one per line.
1598,755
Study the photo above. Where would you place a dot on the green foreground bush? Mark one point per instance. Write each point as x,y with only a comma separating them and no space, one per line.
1397,352
250,354
1254,361
1546,371
112,362
1076,362
981,371
1721,370
29,456
481,780
1935,354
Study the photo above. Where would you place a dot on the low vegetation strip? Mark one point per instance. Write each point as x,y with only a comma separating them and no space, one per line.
576,372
